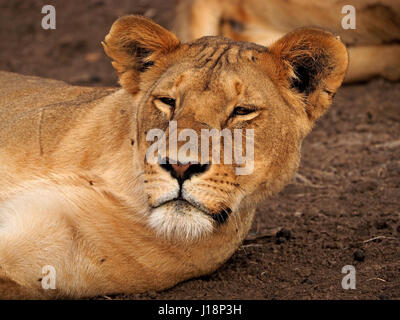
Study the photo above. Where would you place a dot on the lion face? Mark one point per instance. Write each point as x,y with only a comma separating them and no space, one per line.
257,103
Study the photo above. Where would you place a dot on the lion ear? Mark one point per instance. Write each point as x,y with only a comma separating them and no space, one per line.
135,43
312,65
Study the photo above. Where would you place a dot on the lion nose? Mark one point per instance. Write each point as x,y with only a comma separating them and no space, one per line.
182,171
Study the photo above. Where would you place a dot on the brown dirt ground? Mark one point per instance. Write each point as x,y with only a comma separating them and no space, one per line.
346,194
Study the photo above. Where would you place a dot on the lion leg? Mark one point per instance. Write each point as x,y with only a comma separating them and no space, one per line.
367,62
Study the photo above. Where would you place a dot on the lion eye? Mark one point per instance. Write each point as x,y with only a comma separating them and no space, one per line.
168,101
165,105
241,111
236,25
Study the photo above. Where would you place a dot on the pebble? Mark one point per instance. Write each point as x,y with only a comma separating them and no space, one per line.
359,255
381,224
307,281
284,233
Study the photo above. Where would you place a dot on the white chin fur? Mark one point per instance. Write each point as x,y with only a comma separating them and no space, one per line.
181,221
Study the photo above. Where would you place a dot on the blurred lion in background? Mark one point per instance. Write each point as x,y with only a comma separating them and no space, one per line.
374,44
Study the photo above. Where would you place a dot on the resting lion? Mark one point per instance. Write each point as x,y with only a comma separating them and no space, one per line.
373,46
77,193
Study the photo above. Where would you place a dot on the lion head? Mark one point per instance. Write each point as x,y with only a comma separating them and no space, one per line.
261,101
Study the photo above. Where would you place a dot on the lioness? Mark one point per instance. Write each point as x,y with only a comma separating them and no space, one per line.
78,198
373,45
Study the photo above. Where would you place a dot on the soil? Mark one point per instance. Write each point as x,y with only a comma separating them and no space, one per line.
343,208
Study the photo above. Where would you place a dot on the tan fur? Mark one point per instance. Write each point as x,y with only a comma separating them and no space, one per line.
373,46
77,194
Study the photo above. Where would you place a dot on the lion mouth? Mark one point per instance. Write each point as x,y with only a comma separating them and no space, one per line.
181,202
220,217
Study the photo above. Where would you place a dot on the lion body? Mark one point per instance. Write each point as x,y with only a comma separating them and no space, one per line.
77,193
53,156
373,45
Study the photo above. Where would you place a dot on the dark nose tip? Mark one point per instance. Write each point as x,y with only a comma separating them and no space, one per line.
182,171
